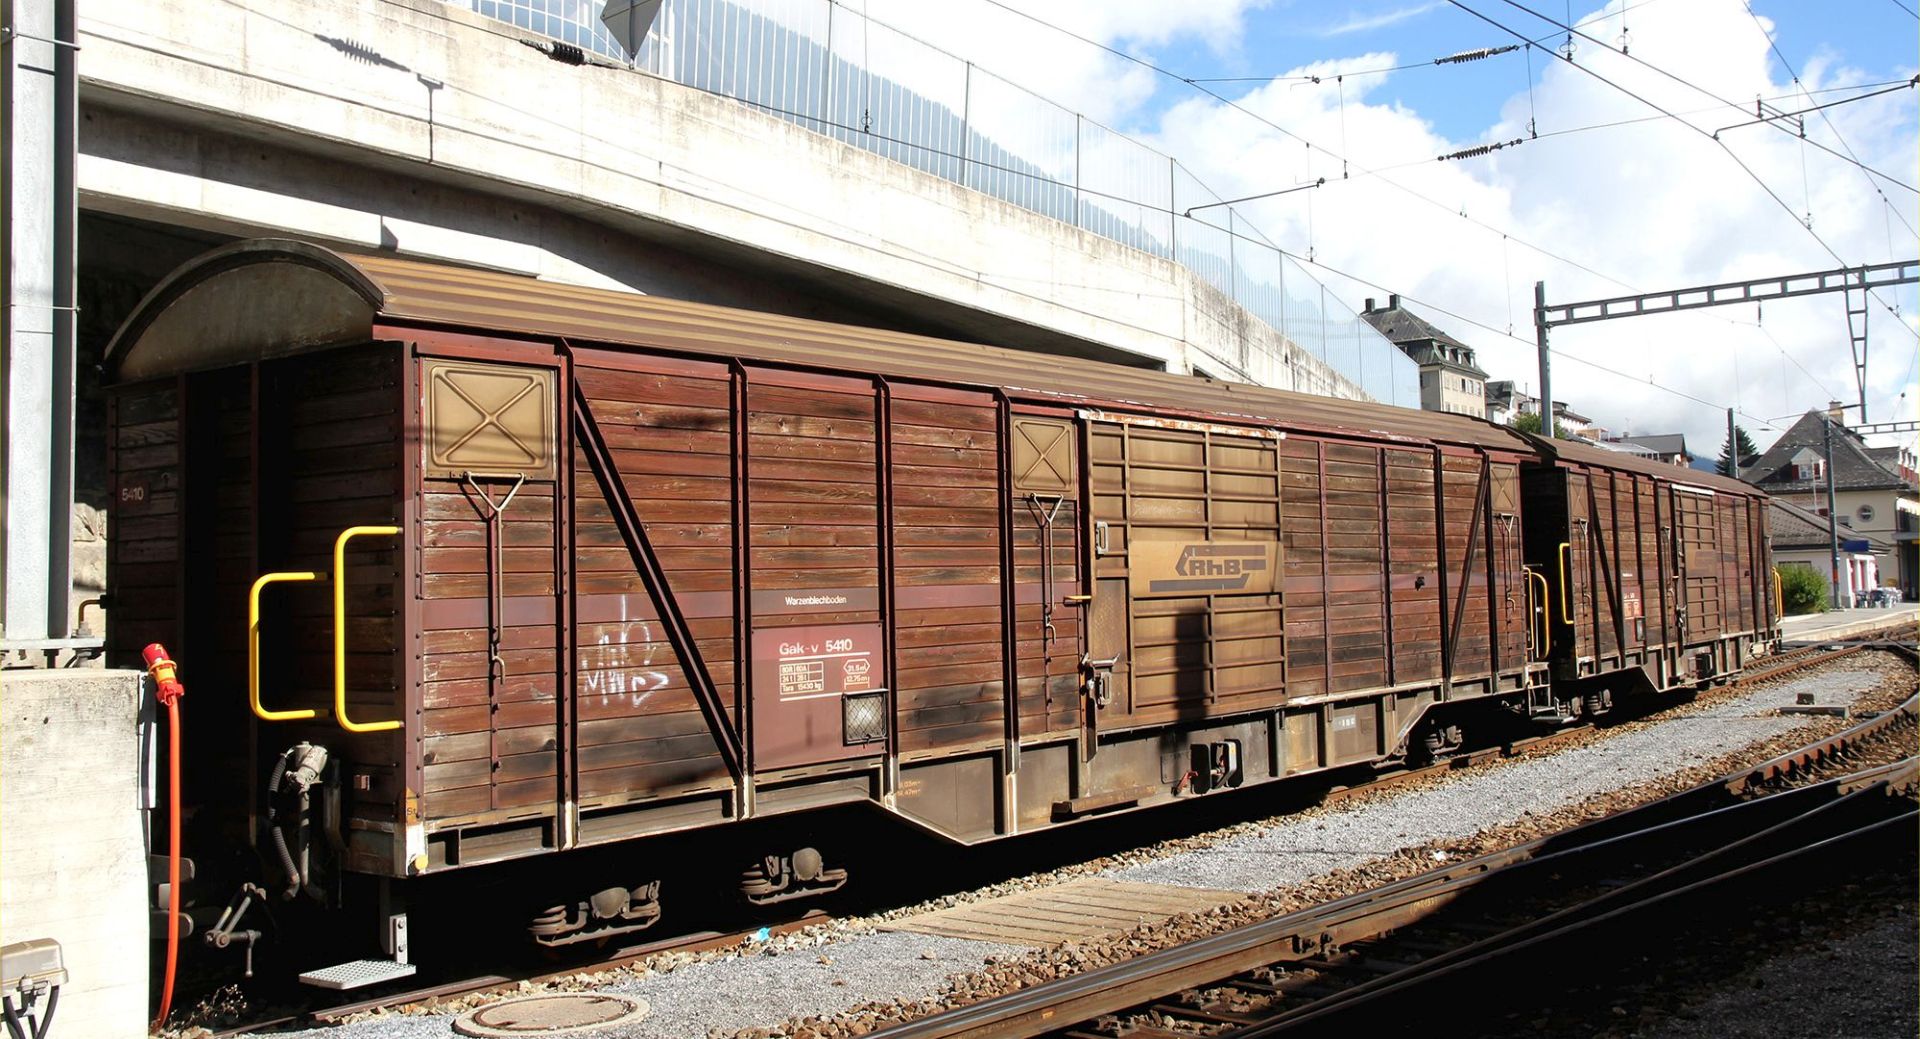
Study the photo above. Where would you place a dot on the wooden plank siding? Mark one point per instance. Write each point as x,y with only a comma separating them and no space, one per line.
489,744
948,637
813,495
1413,564
639,731
143,553
1047,636
332,457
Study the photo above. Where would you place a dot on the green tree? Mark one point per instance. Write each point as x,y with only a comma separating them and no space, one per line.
1802,590
1530,423
1746,448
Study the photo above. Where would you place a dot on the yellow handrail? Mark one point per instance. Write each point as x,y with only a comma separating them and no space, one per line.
340,629
253,646
1779,601
1546,606
1566,563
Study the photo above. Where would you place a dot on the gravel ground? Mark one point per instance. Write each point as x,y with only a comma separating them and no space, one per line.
1295,850
734,994
842,979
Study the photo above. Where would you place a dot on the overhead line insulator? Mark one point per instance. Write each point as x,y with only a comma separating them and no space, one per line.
1481,149
1475,55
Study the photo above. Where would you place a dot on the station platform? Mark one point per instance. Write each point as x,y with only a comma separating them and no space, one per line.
1840,624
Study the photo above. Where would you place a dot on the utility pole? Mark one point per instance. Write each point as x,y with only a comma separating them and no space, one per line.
1546,365
1833,517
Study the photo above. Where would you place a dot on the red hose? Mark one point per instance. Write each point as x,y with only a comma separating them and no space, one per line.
168,690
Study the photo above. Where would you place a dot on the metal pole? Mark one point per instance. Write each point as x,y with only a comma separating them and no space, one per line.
1173,212
1833,517
1546,366
1078,120
966,123
1733,448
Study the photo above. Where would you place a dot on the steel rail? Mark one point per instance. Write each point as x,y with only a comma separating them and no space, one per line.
1490,952
1294,936
1795,761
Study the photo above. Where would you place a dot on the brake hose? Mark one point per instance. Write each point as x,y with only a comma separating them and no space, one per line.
168,690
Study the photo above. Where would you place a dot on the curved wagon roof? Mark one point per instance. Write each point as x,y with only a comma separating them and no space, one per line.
266,298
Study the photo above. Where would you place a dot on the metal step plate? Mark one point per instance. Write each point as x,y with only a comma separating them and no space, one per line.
357,974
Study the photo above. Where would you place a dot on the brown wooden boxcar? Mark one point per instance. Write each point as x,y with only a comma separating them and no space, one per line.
1661,576
607,566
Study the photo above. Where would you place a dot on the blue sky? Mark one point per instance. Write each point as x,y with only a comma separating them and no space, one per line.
1461,100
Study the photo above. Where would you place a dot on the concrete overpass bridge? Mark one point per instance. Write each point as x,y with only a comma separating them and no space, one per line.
720,167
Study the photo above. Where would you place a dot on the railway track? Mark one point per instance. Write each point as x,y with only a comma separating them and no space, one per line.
507,980
1515,920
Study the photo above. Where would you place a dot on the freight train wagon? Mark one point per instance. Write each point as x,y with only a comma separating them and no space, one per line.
465,567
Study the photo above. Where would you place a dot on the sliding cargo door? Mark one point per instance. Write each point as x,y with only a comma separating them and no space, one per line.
1186,596
1508,569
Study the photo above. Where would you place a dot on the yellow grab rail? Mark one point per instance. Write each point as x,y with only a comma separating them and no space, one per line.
1779,601
1546,608
340,629
253,646
1566,599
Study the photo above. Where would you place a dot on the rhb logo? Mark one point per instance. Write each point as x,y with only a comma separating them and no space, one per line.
1213,566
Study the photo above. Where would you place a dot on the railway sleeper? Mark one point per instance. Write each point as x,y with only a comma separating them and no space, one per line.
1208,1015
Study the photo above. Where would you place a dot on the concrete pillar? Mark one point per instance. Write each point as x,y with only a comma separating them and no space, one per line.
38,85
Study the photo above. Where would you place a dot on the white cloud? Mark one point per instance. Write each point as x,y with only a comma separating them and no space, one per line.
1358,22
1081,78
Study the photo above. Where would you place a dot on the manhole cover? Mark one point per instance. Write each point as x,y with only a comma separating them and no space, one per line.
568,1013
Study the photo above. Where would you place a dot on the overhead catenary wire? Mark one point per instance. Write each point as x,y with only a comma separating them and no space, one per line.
1574,30
1837,136
1285,131
1556,351
1461,57
1730,153
1157,69
1458,58
1821,108
1807,221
